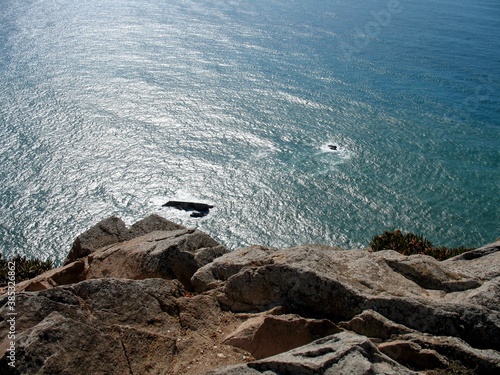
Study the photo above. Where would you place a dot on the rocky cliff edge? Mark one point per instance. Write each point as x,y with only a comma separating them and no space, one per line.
159,298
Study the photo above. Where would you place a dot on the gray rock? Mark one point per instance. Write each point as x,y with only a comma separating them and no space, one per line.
115,327
430,274
268,335
480,252
158,298
342,353
153,223
486,295
481,263
206,255
454,349
338,285
58,345
113,230
175,254
412,355
106,232
106,326
372,324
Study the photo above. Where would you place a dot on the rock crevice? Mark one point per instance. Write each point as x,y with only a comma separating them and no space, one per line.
158,298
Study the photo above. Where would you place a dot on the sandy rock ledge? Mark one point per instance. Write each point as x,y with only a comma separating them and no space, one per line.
159,298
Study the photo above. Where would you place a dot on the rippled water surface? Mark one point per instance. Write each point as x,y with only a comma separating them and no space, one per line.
114,107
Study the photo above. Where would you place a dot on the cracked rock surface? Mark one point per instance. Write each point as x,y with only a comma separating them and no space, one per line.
158,298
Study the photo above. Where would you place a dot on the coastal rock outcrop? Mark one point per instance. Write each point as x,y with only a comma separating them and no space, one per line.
342,353
152,247
113,230
268,334
415,291
159,298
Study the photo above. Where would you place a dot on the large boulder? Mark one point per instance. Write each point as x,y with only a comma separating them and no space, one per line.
174,254
69,274
372,324
415,291
113,230
342,353
266,335
38,349
481,263
115,327
152,247
95,326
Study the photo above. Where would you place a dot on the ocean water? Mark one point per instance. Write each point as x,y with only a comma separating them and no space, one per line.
114,107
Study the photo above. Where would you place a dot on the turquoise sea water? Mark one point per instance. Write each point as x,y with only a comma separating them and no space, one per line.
114,107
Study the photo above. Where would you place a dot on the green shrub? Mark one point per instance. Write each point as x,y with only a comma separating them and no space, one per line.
409,244
25,269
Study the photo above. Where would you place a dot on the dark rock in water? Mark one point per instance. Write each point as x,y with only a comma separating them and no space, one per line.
199,214
202,209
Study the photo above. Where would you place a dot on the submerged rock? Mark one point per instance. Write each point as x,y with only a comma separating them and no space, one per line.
200,209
